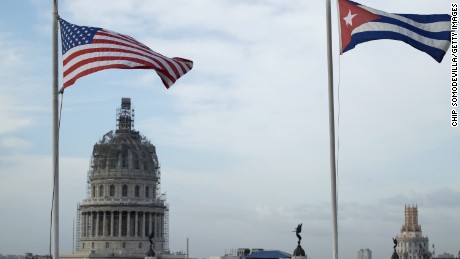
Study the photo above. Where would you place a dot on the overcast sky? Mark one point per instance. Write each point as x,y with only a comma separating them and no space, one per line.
243,138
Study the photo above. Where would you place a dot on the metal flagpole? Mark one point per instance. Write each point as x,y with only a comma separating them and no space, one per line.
55,141
330,73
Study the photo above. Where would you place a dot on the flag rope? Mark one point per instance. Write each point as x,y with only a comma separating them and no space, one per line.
338,133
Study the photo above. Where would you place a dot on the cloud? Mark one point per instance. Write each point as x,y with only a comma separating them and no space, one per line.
436,199
14,143
11,60
21,90
29,179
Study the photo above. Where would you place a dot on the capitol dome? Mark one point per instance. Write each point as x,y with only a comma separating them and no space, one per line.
123,207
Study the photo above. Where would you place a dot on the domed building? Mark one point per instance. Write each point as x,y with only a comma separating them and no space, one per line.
123,210
411,244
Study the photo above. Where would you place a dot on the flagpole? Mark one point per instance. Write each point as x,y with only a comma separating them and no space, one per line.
330,73
55,136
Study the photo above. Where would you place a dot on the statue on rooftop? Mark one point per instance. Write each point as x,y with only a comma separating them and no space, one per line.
297,231
151,253
299,250
395,255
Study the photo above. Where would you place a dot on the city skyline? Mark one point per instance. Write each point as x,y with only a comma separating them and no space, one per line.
242,139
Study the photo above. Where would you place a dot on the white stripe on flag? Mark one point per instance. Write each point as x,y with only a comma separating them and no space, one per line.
431,27
98,64
376,26
112,53
151,58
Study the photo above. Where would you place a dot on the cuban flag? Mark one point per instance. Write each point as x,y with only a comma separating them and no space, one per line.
428,33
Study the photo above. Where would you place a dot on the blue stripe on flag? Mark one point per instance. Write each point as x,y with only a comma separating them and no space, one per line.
425,18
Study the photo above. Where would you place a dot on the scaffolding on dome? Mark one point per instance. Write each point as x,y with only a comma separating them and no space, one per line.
124,203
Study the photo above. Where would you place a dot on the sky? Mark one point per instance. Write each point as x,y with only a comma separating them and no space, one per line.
243,138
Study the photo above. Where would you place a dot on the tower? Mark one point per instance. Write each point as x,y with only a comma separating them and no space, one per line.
122,208
411,220
411,243
365,254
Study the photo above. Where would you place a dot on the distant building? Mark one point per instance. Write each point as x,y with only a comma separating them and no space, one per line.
254,253
32,256
411,242
365,254
446,256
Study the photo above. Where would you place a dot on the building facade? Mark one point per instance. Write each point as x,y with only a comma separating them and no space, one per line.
123,207
411,242
365,254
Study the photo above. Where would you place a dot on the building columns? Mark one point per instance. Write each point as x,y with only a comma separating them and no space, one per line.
128,223
83,219
120,219
143,225
96,232
136,223
112,216
104,229
150,222
102,226
90,224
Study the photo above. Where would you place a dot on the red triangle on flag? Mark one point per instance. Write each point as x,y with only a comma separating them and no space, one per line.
352,16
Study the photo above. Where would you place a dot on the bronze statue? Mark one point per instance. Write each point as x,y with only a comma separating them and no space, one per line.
395,255
297,231
151,253
299,250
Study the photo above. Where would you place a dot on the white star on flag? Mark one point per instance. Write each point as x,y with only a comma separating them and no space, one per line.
349,18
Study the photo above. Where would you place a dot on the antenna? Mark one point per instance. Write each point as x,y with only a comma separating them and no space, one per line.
73,236
187,256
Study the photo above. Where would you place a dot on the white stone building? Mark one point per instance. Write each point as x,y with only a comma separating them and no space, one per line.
411,242
365,254
123,206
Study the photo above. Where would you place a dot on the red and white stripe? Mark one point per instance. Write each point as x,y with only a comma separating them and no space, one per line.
113,50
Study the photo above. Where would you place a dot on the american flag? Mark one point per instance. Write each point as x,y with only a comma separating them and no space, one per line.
86,50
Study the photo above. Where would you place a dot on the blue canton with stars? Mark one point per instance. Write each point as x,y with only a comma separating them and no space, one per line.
73,35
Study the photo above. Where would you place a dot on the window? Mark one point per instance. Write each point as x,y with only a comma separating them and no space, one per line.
124,245
146,191
144,160
94,191
135,160
124,190
101,191
106,244
112,190
140,245
124,159
102,162
92,245
112,163
136,191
